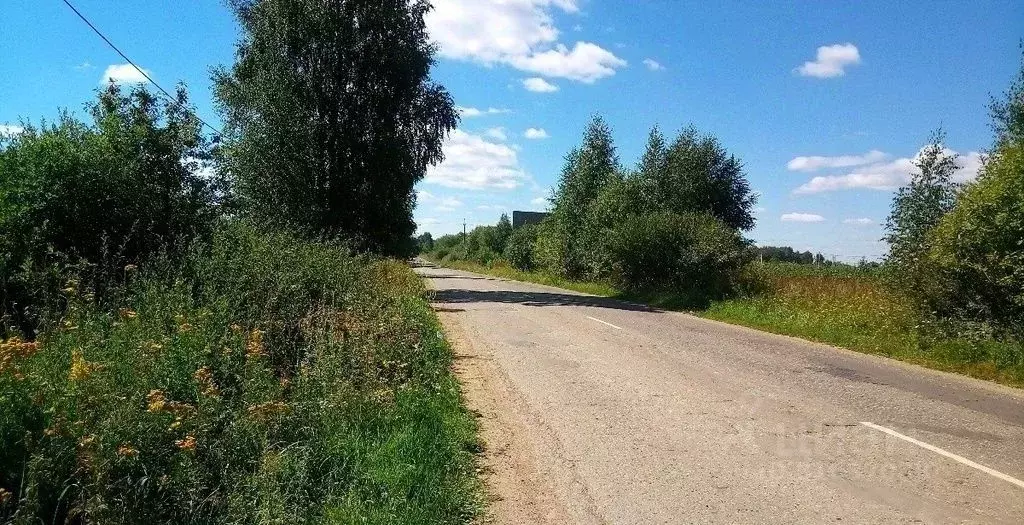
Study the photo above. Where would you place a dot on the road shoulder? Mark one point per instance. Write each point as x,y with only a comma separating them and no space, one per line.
517,489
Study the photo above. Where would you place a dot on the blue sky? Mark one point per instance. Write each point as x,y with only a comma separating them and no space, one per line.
826,103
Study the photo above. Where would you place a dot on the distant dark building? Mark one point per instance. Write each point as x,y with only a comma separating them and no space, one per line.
522,218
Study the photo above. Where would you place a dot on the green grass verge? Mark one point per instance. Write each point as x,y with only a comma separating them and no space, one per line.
264,379
848,309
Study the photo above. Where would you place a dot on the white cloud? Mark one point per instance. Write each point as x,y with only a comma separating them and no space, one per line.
491,207
802,217
586,62
539,201
831,61
539,85
518,33
475,164
9,130
653,65
123,74
84,66
496,134
536,134
887,176
844,161
424,196
860,222
469,112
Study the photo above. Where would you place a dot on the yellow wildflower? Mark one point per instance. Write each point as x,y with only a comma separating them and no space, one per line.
13,350
155,401
80,368
204,377
254,348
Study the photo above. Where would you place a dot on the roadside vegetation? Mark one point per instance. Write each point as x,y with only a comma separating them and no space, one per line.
208,329
669,232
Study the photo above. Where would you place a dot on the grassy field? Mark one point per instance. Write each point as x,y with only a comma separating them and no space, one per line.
263,380
841,306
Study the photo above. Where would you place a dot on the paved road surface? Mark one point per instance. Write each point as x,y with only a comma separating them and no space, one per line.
632,415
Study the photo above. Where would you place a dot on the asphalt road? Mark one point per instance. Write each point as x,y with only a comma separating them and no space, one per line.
634,415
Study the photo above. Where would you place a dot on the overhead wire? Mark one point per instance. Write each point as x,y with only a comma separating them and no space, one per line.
141,71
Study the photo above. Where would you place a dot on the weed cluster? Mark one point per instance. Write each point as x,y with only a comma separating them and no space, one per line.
266,379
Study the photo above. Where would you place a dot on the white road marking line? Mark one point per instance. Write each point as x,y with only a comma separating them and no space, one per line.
604,322
949,455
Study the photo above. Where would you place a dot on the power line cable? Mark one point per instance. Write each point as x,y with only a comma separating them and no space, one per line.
137,68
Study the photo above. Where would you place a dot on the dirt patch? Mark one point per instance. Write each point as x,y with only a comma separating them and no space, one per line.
518,492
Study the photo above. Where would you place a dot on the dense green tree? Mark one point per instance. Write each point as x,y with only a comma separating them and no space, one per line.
651,171
916,209
699,175
502,232
976,253
588,171
331,116
425,242
96,197
694,174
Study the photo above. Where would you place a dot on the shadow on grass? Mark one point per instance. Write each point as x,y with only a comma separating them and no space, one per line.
460,296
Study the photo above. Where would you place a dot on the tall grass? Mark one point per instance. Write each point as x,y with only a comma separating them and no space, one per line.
267,380
851,308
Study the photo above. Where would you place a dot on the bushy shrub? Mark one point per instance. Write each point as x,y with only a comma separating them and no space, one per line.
550,248
695,255
271,380
82,201
977,251
519,249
